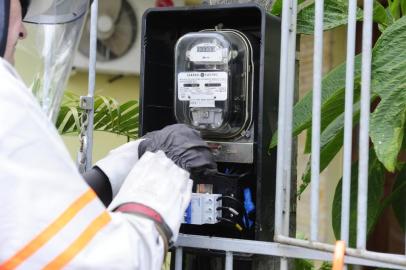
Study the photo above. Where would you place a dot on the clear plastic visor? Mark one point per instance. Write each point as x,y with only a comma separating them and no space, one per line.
44,60
55,11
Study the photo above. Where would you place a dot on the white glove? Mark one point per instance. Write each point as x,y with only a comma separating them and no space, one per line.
156,182
118,164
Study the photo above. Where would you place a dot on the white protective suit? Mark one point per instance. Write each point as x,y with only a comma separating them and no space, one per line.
51,219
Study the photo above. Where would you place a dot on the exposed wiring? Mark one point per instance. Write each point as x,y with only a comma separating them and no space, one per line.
236,225
232,210
244,214
231,198
238,176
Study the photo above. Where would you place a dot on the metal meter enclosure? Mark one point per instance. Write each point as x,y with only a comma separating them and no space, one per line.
213,82
216,69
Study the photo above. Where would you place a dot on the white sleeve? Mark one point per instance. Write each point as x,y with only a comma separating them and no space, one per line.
49,218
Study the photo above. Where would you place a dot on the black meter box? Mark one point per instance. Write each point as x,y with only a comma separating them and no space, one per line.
216,69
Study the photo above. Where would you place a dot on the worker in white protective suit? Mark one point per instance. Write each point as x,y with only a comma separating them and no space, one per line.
49,217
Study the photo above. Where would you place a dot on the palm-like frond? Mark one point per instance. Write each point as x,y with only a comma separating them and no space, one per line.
109,116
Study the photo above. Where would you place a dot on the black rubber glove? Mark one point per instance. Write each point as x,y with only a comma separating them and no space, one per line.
184,146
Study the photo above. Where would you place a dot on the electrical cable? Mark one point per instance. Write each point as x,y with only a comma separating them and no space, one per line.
231,198
232,210
238,176
236,225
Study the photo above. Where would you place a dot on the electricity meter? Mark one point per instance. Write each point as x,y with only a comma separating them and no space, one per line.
214,82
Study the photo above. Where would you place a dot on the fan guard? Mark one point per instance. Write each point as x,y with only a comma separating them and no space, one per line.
116,30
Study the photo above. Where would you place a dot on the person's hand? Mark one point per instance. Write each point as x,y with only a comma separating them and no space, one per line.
183,145
180,143
156,185
118,163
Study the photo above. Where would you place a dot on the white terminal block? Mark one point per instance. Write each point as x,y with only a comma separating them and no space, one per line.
203,209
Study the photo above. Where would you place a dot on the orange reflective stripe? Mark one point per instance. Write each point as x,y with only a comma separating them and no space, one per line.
49,232
86,236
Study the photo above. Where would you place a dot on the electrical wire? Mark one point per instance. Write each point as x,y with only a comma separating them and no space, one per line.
236,225
231,198
230,209
238,176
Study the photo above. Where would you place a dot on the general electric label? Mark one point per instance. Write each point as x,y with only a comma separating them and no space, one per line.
202,86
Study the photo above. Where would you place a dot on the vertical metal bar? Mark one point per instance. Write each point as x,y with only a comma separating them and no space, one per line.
364,125
349,98
178,258
315,159
229,260
284,263
92,78
290,89
281,150
286,95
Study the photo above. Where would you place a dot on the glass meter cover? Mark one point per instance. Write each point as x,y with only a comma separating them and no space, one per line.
213,82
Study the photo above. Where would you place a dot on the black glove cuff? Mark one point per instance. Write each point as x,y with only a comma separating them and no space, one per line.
100,183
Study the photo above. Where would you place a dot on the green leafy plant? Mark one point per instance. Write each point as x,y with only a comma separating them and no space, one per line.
109,116
387,123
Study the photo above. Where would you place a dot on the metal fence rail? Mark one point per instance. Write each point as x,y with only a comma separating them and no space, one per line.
292,249
284,128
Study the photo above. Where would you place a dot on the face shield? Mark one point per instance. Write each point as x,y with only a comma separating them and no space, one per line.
46,55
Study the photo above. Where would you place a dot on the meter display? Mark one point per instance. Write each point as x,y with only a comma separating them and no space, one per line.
213,82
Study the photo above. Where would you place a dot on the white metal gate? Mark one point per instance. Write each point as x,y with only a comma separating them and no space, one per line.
285,246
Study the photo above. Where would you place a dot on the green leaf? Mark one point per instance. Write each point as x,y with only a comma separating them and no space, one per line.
394,7
333,88
335,15
308,144
403,7
277,7
389,60
375,195
387,128
326,266
333,107
331,141
303,264
398,200
109,116
380,15
389,82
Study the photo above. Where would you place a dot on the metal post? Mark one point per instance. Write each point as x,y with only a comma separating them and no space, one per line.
281,151
364,125
92,78
315,159
290,91
229,260
178,258
349,98
286,95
